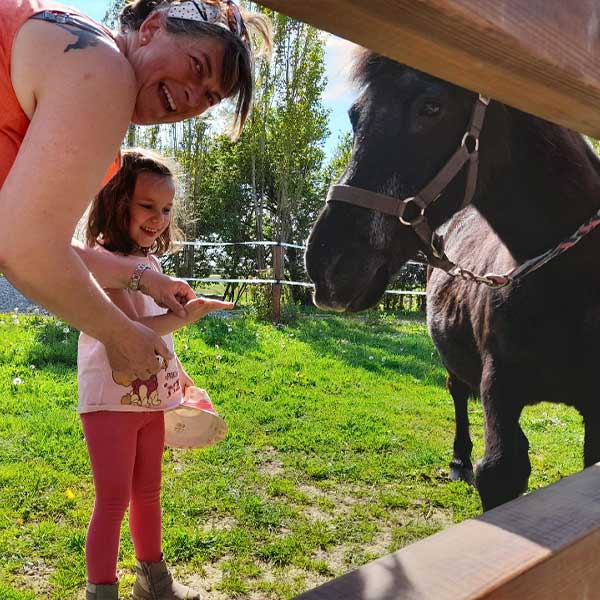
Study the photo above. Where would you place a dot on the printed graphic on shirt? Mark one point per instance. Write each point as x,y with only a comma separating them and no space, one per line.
144,392
171,383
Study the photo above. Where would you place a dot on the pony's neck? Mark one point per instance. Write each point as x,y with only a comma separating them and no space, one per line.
551,186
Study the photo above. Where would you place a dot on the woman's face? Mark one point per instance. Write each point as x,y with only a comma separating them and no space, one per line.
178,76
150,208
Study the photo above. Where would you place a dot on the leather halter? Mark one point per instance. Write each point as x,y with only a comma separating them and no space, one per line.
436,257
466,154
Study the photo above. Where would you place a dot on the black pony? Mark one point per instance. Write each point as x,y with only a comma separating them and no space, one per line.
537,339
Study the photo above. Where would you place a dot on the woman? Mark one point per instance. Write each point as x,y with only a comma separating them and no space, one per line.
68,90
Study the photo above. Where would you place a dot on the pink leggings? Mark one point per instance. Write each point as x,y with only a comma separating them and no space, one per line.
126,455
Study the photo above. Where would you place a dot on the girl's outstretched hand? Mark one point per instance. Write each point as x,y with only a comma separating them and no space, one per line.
200,307
167,292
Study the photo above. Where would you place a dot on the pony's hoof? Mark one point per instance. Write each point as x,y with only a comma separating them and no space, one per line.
462,473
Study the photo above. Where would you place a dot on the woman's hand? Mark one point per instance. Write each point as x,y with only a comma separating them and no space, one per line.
200,307
167,292
134,353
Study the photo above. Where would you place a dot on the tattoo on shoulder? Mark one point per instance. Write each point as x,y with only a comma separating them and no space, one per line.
85,38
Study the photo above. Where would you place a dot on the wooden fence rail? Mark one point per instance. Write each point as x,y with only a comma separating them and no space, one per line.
541,56
543,546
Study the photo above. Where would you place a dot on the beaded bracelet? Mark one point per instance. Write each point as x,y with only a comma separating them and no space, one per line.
134,282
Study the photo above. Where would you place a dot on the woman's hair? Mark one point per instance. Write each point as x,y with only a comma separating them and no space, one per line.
108,221
237,72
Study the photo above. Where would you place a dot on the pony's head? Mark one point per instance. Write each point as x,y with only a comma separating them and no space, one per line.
407,127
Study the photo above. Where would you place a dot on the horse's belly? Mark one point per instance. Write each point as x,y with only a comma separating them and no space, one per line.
545,347
451,330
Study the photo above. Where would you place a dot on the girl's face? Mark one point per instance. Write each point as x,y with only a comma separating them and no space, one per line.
150,208
178,76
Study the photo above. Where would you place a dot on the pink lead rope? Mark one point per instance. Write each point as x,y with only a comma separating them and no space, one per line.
534,264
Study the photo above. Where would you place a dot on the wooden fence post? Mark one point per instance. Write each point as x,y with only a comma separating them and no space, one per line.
276,289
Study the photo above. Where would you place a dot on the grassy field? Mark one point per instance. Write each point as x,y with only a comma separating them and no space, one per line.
340,437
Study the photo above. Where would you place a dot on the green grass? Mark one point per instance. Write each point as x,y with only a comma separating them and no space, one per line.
340,436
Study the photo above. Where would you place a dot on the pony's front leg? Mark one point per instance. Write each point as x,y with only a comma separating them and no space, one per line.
504,471
591,445
461,468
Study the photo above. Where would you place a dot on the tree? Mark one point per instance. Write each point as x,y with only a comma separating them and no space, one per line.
339,161
291,124
270,184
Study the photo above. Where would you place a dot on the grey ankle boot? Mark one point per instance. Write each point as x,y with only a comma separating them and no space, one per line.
102,592
153,581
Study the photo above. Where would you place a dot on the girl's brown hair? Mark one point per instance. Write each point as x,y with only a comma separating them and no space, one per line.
237,61
108,221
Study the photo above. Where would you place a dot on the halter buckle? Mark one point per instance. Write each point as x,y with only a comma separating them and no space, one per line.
468,135
420,216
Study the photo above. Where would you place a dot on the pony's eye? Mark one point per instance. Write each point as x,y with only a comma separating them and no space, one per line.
430,108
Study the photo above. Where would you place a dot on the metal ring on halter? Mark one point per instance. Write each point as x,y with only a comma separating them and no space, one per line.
464,141
419,217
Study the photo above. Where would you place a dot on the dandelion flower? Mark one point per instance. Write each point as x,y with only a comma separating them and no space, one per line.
69,494
17,381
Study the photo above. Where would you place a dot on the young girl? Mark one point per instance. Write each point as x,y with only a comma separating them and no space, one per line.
123,419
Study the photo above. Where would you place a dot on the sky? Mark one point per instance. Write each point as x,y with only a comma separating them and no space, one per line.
338,94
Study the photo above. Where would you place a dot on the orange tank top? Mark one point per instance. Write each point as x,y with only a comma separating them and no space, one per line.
13,121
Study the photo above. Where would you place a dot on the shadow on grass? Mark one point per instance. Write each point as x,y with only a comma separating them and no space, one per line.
376,346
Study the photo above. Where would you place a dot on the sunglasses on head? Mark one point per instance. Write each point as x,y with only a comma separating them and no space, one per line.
235,21
196,10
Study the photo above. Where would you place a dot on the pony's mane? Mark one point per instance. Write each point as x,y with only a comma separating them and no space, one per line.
367,64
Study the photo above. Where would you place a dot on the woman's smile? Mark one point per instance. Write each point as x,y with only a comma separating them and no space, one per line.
167,97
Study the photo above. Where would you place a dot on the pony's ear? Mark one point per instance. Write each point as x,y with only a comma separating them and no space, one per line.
437,245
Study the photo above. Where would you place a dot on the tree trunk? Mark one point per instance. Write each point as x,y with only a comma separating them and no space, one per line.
258,208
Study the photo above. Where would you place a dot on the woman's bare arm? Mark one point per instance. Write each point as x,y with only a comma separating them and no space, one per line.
83,102
114,271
